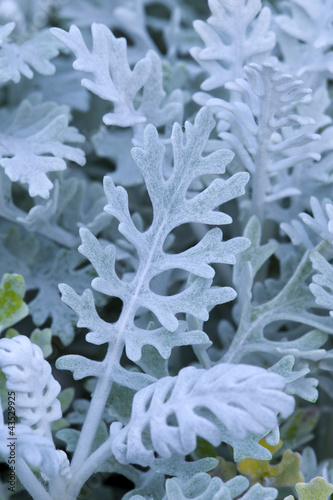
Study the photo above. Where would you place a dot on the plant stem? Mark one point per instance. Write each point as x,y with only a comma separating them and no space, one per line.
97,405
112,360
88,468
30,481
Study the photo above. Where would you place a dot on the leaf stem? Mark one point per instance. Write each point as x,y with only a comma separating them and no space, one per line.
88,468
30,481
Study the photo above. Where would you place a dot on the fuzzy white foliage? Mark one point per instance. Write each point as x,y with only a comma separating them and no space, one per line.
321,223
315,228
36,403
44,264
17,60
38,450
33,143
306,38
271,125
237,33
266,131
175,410
29,375
322,284
114,80
202,487
172,208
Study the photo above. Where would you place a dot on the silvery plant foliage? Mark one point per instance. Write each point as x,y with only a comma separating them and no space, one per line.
166,232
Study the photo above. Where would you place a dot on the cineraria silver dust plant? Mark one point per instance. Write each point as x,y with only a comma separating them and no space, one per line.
166,232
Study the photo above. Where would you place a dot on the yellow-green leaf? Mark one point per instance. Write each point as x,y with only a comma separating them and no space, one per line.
286,473
317,489
11,333
12,306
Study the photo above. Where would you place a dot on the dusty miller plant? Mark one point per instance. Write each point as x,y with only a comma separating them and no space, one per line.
166,227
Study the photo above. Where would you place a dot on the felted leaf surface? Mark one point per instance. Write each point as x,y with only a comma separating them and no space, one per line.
176,410
172,207
178,466
200,487
307,38
72,203
292,301
36,449
12,306
236,34
44,277
43,264
203,487
29,375
268,134
114,80
33,143
33,54
322,284
258,492
320,222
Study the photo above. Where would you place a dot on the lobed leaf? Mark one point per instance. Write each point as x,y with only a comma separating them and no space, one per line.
175,410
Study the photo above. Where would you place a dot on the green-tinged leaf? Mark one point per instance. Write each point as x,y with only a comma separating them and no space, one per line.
286,473
62,423
317,489
12,306
119,403
301,423
70,437
11,333
66,398
204,449
43,338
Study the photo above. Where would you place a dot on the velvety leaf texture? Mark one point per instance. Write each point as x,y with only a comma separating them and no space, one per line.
35,402
32,144
267,135
171,209
33,54
236,34
166,249
184,403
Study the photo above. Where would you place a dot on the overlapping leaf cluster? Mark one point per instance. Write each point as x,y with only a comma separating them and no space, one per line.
115,182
